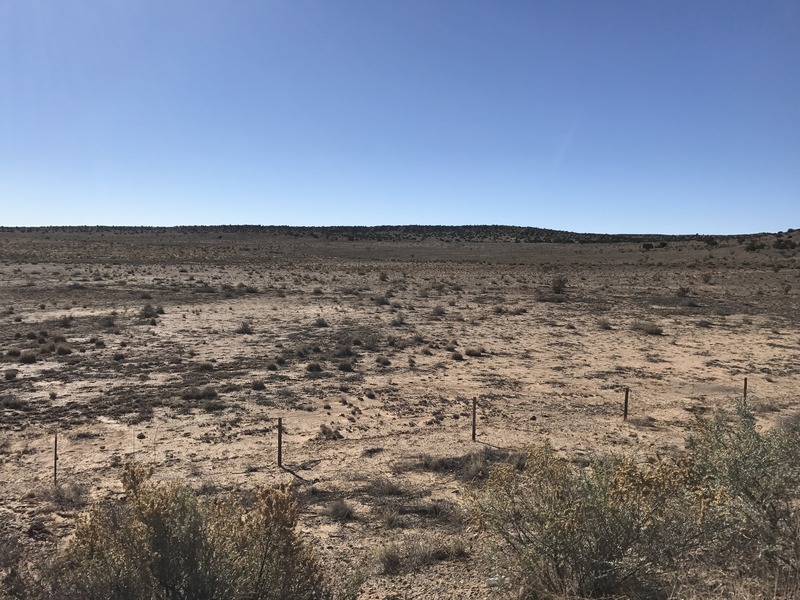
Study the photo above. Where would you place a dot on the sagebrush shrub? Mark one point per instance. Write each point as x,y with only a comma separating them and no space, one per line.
759,475
597,532
620,528
647,327
559,283
165,542
149,311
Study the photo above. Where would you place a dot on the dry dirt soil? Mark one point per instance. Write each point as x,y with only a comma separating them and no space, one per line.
182,348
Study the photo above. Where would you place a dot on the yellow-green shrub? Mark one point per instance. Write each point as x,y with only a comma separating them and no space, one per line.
164,542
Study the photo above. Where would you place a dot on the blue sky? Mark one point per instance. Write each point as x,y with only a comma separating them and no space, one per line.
594,116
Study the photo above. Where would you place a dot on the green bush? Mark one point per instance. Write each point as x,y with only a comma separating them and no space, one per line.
620,528
607,530
759,475
164,542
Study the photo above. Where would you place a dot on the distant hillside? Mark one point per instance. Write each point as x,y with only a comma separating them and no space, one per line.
393,233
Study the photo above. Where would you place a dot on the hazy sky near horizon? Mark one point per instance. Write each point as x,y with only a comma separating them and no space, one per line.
637,116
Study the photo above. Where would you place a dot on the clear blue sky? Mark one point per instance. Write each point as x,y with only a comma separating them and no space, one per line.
673,116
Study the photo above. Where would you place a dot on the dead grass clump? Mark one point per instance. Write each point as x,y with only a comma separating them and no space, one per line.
206,393
214,405
554,298
647,421
343,350
328,433
443,511
647,327
414,555
382,486
27,358
13,403
242,288
151,312
689,303
68,495
391,517
472,467
340,510
558,285
390,558
245,328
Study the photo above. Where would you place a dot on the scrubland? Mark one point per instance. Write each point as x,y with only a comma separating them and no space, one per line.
171,354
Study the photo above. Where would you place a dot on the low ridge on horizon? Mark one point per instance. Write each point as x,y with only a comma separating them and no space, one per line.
472,232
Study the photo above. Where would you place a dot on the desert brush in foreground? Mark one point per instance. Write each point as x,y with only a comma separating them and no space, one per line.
166,543
622,528
727,510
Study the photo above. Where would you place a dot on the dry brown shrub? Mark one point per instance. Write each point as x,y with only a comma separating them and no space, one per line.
165,542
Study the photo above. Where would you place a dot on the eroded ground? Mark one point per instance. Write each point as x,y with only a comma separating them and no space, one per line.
182,349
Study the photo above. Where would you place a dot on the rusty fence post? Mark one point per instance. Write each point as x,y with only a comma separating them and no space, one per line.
280,442
625,406
55,459
474,412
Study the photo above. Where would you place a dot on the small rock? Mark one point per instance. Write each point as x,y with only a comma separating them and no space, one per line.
140,436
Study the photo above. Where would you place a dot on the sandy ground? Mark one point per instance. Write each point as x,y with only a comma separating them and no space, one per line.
371,353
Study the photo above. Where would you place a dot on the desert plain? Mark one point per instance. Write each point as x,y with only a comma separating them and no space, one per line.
182,347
